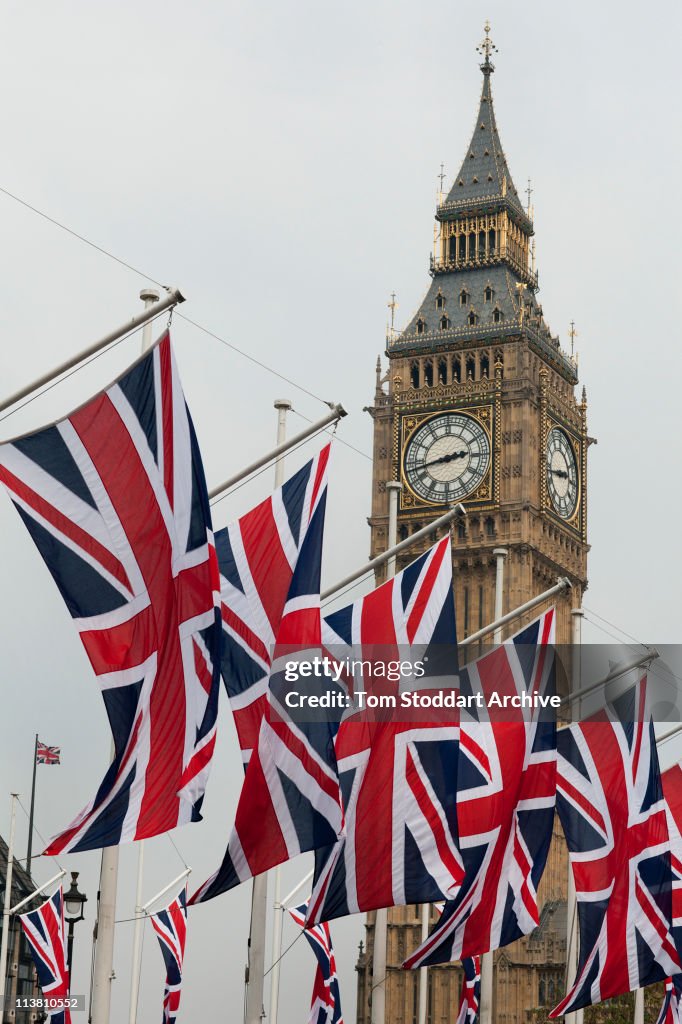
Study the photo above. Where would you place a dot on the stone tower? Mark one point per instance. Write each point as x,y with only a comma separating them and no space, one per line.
478,406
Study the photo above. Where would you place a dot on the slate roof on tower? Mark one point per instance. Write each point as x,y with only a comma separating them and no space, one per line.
484,174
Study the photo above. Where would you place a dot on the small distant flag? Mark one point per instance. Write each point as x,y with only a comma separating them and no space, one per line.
47,755
170,926
44,930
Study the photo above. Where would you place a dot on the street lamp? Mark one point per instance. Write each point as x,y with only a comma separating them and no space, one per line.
73,912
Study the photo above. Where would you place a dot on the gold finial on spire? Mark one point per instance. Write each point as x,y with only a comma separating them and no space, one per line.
392,305
485,49
573,334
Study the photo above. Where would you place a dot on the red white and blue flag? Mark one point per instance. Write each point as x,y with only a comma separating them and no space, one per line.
290,800
115,499
398,771
506,799
670,1008
671,780
257,556
44,930
611,806
325,1005
170,926
470,995
47,755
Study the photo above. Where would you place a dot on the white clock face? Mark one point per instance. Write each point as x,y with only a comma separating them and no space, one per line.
562,473
447,457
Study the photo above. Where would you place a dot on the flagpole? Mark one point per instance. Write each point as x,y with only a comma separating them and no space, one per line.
337,413
29,847
6,909
282,405
562,584
103,974
379,953
172,298
572,901
149,296
395,549
424,971
487,960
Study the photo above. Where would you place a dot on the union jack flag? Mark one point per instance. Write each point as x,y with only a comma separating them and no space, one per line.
170,926
505,803
612,811
670,1008
257,557
671,781
47,755
470,995
672,793
325,1006
398,773
115,499
290,800
44,930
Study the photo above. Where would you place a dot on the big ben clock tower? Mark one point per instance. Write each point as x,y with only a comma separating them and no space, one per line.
478,406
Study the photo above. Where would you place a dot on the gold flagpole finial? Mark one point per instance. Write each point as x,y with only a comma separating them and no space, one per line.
486,48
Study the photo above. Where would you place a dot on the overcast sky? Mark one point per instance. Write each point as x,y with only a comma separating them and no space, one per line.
278,162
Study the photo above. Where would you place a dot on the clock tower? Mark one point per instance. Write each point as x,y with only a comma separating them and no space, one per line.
478,405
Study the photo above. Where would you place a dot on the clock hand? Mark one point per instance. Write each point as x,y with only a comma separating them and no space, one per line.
447,458
561,473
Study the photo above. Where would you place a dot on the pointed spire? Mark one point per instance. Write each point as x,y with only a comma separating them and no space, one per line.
484,174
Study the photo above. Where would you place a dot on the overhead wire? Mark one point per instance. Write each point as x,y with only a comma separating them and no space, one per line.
147,277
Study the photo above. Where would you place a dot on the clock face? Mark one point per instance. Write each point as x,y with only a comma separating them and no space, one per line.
447,457
562,473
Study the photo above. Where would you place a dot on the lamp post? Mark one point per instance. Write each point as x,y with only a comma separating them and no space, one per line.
74,901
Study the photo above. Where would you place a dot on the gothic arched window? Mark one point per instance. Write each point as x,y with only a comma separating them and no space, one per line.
428,373
463,297
472,318
491,242
457,369
497,315
421,325
444,323
488,294
442,371
440,301
414,375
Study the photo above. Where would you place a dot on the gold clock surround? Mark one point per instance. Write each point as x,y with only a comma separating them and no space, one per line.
410,422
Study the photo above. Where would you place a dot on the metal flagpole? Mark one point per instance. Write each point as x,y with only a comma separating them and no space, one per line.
29,847
487,961
337,413
40,889
378,1009
424,971
282,405
149,296
162,892
172,298
559,587
103,974
395,549
571,902
638,1017
6,909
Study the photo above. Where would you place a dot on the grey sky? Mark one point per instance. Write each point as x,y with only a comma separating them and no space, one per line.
278,162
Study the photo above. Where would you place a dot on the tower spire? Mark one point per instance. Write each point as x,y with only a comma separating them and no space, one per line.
485,49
